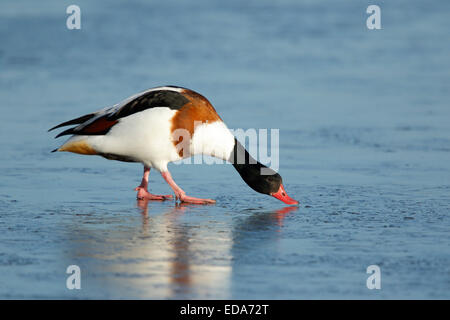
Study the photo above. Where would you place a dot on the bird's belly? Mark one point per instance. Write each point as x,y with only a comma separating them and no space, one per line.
145,137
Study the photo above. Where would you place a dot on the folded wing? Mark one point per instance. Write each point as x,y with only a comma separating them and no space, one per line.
100,122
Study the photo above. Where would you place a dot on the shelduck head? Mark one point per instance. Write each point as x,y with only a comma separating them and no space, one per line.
258,176
269,184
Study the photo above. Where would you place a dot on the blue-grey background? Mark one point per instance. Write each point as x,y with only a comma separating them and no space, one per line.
364,145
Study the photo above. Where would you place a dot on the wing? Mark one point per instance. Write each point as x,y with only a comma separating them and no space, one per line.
100,122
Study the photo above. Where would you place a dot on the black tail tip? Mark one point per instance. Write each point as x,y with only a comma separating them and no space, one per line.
55,150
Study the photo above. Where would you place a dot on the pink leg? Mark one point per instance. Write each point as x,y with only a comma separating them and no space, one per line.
180,194
142,189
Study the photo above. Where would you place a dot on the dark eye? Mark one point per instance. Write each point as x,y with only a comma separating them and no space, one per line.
283,194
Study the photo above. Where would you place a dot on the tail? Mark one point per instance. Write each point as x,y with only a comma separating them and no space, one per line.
78,145
79,148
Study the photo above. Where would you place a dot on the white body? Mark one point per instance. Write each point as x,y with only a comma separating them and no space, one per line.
147,137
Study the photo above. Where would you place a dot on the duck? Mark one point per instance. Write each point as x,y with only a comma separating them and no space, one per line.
163,125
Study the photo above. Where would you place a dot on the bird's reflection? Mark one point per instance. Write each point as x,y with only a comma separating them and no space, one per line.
280,214
264,220
180,264
257,230
177,253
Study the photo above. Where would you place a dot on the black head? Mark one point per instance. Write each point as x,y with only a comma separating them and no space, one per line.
250,170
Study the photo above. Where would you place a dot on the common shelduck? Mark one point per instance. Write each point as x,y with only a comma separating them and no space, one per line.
161,125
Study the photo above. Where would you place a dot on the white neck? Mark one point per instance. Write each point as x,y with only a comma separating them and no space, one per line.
213,139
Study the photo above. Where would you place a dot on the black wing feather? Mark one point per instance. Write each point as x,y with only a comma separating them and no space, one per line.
160,98
74,121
